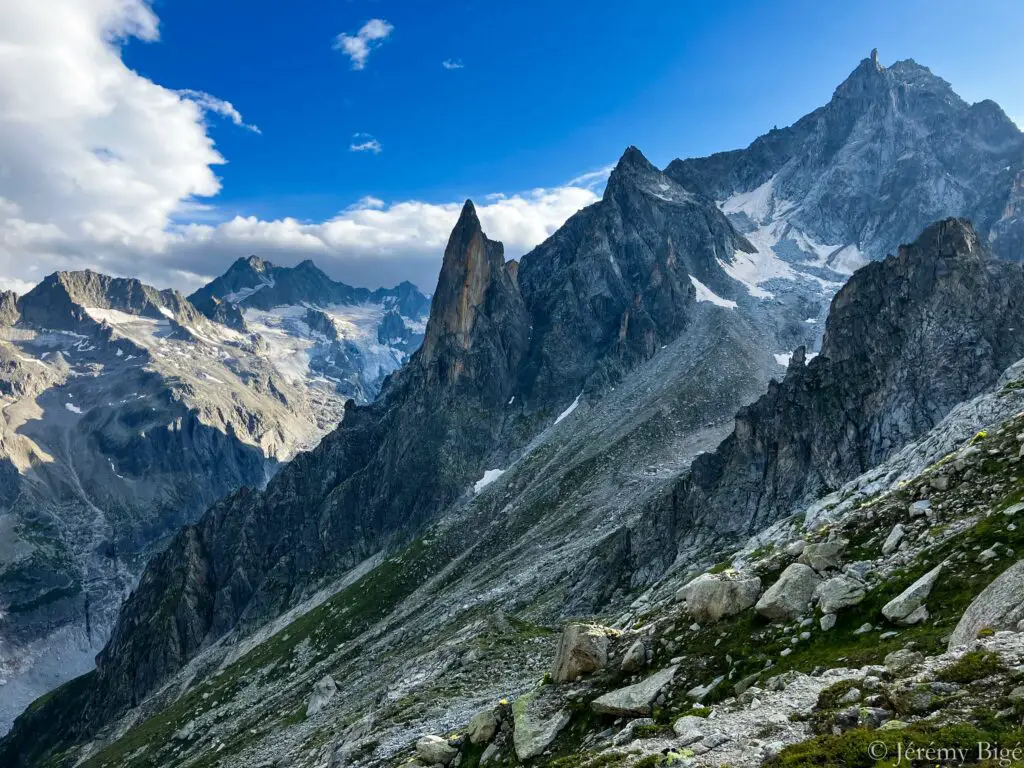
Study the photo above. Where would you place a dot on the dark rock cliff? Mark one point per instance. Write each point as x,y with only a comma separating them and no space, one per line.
906,340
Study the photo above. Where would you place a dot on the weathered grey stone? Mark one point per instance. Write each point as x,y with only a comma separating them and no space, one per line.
689,729
635,657
482,727
908,607
894,539
323,692
999,606
713,596
634,700
700,692
824,556
533,730
839,592
582,648
796,548
827,621
435,751
919,508
901,661
788,597
628,733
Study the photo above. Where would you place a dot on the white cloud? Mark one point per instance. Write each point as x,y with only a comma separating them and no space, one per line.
210,103
358,46
102,168
453,64
593,180
364,142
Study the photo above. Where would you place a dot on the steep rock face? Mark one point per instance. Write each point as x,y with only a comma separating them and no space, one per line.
907,339
124,414
894,150
8,308
617,281
387,469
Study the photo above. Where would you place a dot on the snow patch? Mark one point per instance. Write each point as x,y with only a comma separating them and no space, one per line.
706,294
489,477
575,404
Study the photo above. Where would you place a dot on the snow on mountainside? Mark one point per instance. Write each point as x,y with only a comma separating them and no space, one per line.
321,334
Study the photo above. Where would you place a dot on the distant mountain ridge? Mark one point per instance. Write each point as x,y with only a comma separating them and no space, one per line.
894,150
125,412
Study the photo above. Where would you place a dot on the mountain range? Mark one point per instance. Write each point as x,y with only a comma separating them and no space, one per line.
127,413
682,367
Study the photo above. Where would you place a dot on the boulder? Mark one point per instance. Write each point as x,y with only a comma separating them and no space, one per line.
323,692
894,539
788,597
713,596
634,700
690,729
534,730
700,692
635,657
902,661
434,750
582,648
482,727
827,621
999,606
824,556
839,592
908,607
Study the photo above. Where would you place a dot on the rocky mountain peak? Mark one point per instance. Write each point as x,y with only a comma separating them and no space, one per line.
475,293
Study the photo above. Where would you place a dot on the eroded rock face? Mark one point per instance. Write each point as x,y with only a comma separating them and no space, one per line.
872,389
999,606
710,597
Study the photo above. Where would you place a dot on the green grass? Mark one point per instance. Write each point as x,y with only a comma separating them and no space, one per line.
972,666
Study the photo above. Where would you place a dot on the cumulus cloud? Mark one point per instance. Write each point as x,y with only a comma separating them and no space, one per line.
358,46
209,103
102,168
453,64
364,142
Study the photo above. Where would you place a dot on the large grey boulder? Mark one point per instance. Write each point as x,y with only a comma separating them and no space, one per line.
534,729
323,692
824,556
689,729
839,592
482,727
634,700
908,607
894,539
713,596
435,751
788,597
582,648
999,606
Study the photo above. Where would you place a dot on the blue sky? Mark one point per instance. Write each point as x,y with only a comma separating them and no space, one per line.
128,139
547,90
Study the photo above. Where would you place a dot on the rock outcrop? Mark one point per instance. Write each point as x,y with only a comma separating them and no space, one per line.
999,606
713,596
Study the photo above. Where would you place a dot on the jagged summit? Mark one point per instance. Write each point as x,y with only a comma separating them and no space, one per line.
821,191
476,306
